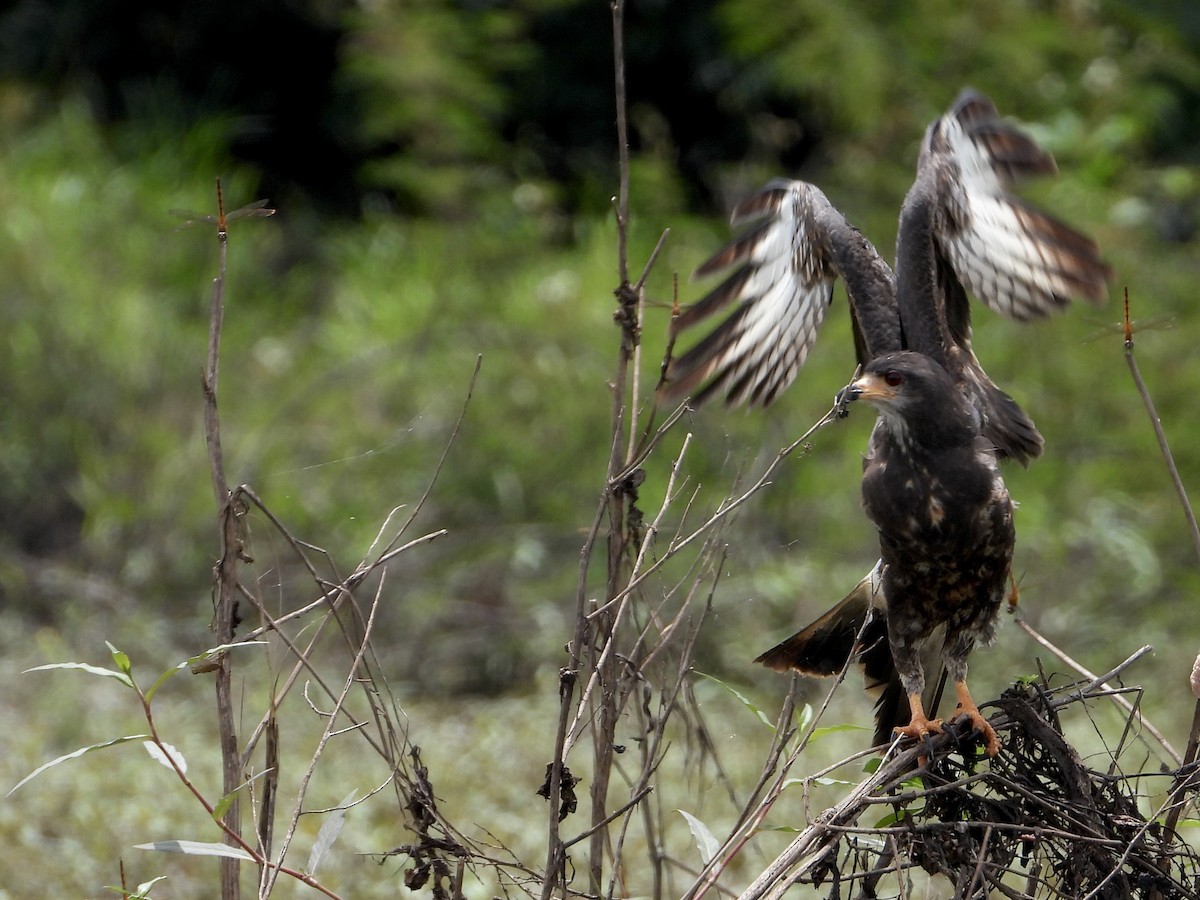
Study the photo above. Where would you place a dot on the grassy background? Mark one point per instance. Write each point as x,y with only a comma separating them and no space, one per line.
350,345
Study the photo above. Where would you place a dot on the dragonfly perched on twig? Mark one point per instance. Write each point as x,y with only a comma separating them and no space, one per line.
221,220
1128,327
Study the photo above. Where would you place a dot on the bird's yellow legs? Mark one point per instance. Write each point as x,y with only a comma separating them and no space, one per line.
921,725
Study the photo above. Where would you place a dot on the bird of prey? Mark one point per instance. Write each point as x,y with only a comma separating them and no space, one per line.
960,230
932,487
930,481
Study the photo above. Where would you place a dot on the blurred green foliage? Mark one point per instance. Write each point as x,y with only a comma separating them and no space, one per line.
460,213
351,342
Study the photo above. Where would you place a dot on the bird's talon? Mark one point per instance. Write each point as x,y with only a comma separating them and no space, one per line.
991,743
919,729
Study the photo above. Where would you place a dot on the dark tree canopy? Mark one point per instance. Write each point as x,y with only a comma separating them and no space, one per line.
415,103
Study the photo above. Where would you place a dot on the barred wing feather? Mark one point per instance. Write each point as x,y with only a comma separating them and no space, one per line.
782,288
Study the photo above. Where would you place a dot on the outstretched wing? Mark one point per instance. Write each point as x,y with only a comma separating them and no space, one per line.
785,267
961,230
1016,259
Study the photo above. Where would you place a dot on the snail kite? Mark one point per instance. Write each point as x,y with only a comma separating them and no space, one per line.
930,482
932,487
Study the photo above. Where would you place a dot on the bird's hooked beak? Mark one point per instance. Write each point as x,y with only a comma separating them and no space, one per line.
849,393
868,387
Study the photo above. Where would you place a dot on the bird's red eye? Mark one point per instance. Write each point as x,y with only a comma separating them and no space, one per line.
892,378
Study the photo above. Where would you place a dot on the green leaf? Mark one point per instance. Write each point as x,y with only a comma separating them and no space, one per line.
823,780
805,717
705,842
122,677
890,819
75,755
121,659
222,806
197,848
745,701
195,660
144,888
141,892
329,832
158,682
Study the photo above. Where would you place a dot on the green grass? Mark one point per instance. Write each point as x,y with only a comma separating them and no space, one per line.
347,362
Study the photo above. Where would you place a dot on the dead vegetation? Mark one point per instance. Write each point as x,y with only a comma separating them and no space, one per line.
1041,820
1037,821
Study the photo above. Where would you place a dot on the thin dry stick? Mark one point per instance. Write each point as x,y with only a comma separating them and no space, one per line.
612,507
653,744
1190,782
629,304
328,589
233,839
755,810
635,387
329,731
365,567
821,837
555,853
1161,435
331,599
1119,700
618,27
724,510
1181,491
226,569
609,648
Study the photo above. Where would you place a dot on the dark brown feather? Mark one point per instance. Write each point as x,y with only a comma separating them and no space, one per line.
933,490
824,647
855,632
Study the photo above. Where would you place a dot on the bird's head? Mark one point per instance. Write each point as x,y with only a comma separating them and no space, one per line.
916,399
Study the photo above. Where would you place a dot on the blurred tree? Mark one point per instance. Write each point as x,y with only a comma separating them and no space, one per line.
263,67
489,127
423,104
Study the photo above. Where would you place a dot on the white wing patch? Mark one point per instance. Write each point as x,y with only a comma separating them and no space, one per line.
1018,261
783,288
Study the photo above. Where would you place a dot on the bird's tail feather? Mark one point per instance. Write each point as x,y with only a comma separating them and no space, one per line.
822,648
856,626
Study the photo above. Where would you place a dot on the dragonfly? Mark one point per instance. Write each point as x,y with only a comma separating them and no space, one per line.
257,209
1127,327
